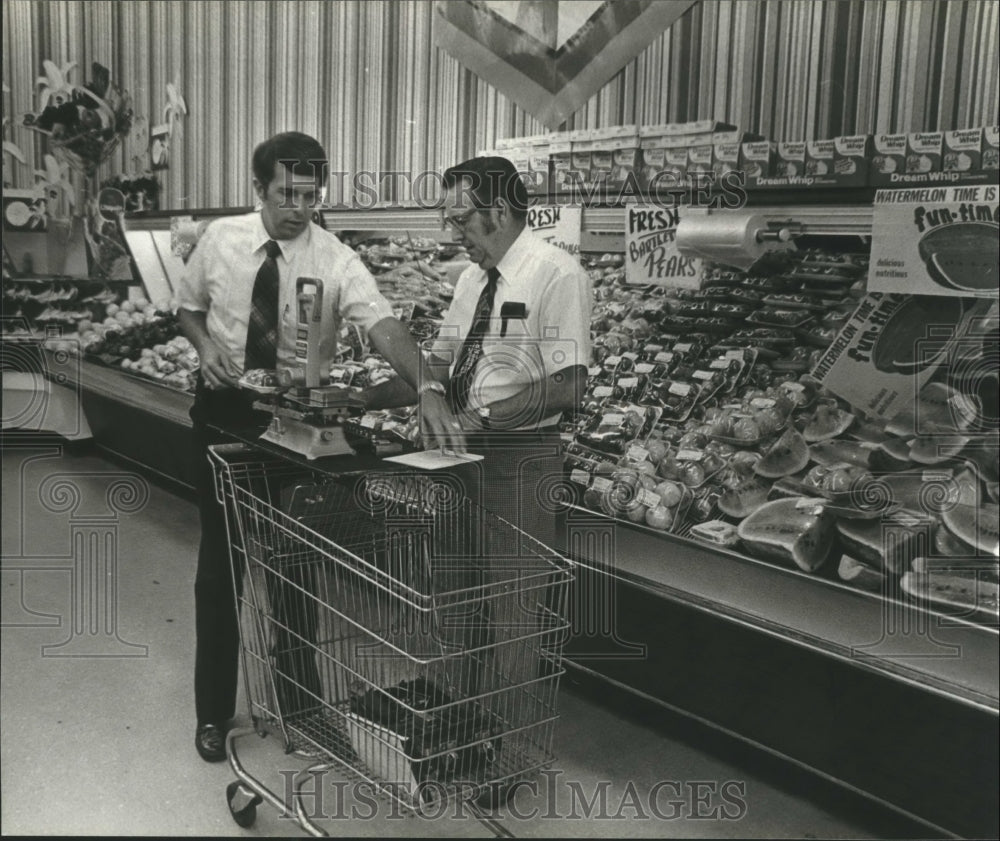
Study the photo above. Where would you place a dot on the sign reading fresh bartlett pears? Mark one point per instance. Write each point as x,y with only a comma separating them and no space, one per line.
651,254
559,226
936,241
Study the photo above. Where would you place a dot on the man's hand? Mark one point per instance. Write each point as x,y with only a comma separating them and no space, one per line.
216,369
438,426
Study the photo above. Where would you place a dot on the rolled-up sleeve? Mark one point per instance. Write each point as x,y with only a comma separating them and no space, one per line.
192,289
361,303
565,322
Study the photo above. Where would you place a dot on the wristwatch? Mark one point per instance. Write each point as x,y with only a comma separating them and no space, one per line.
431,385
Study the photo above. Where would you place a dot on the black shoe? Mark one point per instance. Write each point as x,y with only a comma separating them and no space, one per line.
210,741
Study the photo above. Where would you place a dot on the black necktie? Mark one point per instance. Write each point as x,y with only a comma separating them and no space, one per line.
472,348
262,329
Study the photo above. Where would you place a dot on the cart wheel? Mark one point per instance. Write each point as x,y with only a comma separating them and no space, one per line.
243,815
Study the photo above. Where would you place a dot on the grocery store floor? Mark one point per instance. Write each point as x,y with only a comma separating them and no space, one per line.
97,720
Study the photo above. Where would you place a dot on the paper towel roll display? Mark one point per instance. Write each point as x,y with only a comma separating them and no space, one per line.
735,239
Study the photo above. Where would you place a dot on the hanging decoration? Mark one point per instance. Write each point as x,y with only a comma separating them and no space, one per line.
160,136
84,125
10,149
550,56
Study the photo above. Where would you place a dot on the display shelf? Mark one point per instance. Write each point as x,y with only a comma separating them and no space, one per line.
946,654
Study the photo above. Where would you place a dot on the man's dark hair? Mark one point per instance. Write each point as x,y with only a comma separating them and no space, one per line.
301,154
491,178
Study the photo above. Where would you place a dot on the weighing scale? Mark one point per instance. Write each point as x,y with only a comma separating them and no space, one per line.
306,411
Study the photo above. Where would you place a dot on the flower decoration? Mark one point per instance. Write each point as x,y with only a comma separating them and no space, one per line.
84,124
10,148
175,108
55,84
53,182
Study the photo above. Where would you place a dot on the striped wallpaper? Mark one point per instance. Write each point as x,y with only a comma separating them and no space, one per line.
365,78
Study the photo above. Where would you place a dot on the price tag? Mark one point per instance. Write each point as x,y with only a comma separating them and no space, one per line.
680,389
734,354
683,347
613,419
580,477
369,421
720,364
792,386
813,506
644,367
664,356
631,354
601,483
628,382
935,476
690,455
762,402
648,498
653,348
603,391
703,375
637,453
597,370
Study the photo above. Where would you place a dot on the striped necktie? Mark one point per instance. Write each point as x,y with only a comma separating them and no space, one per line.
472,348
262,329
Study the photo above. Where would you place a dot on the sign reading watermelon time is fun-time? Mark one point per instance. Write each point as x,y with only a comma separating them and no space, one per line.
936,241
651,254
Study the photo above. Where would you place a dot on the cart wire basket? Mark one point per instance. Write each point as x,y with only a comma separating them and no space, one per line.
392,628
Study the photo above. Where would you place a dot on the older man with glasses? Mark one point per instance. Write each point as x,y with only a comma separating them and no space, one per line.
514,345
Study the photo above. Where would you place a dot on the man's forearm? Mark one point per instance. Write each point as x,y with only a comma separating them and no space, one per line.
558,393
194,327
391,339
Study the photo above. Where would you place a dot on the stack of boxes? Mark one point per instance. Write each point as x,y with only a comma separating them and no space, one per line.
944,156
678,156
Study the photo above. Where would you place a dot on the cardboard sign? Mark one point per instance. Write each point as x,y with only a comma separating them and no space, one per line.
651,254
935,241
889,348
559,226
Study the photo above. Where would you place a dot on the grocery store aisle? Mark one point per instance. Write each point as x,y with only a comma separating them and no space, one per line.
97,723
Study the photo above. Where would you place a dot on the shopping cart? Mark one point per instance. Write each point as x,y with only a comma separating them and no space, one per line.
392,629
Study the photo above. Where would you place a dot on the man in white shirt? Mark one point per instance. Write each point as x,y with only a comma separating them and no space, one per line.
528,362
221,314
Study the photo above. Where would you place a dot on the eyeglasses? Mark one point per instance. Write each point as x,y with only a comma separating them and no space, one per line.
460,221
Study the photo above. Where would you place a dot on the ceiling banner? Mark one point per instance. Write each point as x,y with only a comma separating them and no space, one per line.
550,56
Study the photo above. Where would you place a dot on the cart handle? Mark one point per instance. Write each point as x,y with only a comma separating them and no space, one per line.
217,458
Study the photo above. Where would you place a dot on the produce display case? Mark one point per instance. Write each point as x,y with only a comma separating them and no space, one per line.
901,676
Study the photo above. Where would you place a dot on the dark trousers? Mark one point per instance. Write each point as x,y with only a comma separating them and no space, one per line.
521,476
218,587
215,599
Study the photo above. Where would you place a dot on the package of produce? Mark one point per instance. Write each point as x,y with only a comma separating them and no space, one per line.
716,532
617,425
886,543
788,455
799,530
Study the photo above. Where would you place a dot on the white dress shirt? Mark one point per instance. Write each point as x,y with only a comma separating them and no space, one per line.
219,278
554,334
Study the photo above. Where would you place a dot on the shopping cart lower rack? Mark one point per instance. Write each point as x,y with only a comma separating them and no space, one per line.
392,628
